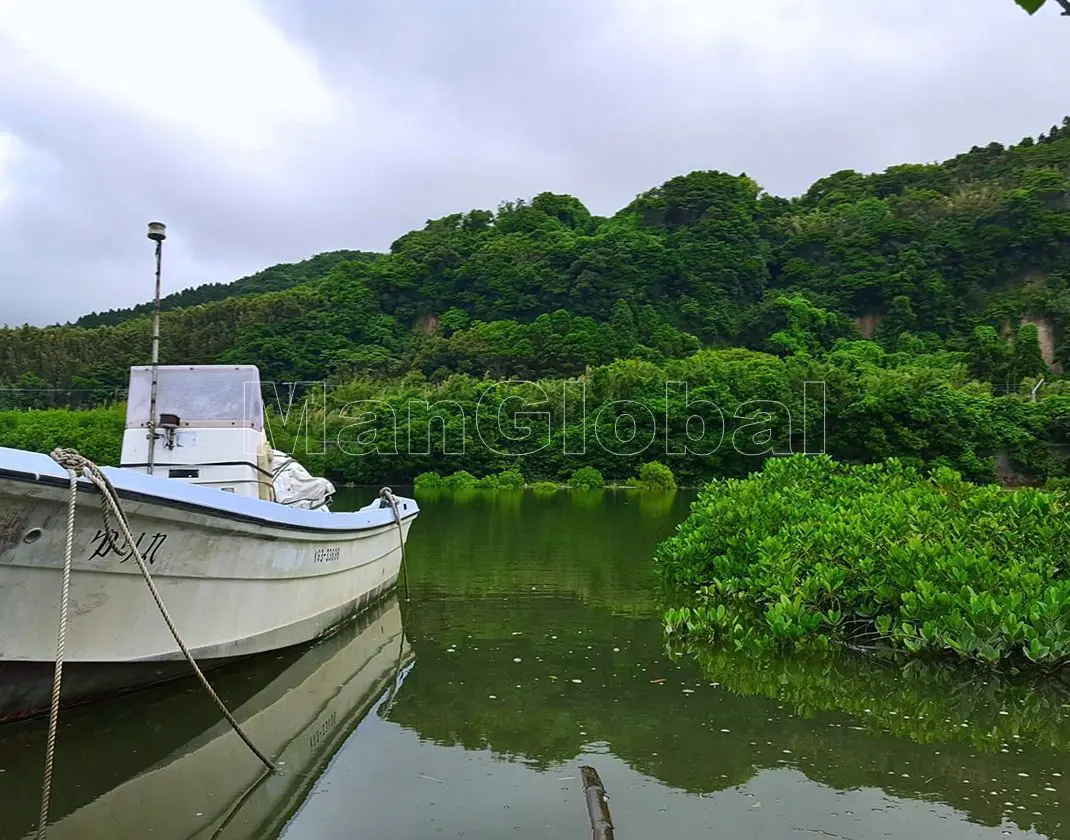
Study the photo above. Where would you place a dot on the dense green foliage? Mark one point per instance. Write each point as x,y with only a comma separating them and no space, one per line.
587,478
958,272
811,551
923,257
274,279
98,434
429,482
877,405
509,480
654,475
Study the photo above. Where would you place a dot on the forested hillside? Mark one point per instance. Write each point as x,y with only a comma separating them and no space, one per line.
274,279
916,294
921,257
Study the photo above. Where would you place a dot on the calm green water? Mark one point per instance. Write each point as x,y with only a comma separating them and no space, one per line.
530,645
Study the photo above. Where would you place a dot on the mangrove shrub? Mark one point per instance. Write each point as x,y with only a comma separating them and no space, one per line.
510,480
587,478
812,551
656,476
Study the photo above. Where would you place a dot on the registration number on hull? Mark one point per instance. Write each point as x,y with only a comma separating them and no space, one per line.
326,555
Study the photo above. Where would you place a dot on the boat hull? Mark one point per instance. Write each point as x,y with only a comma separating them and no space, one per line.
26,687
238,577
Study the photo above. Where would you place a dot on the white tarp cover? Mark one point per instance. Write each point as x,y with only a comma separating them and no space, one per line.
296,487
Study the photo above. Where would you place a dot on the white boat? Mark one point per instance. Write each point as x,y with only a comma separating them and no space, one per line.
240,542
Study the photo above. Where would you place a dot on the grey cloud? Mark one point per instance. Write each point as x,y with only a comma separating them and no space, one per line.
445,106
623,118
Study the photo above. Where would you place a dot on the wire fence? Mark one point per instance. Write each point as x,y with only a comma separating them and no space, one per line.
28,399
81,398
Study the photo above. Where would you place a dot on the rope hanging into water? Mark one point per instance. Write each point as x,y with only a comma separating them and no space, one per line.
387,495
57,678
112,511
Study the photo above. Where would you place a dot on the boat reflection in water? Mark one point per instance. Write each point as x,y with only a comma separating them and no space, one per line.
157,764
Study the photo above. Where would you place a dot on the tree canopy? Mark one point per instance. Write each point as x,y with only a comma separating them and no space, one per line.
952,256
919,294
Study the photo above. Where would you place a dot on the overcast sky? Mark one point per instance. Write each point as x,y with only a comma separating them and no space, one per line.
264,132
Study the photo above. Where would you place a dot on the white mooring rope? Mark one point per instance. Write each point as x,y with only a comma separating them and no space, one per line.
111,507
57,678
388,496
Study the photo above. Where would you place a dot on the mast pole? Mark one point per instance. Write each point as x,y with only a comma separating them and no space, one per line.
157,233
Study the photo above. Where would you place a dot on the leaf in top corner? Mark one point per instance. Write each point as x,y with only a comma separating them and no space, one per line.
1030,6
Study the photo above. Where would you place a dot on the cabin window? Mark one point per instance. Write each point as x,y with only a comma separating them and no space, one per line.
184,473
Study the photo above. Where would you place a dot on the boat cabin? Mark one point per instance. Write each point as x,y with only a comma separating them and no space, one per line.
209,427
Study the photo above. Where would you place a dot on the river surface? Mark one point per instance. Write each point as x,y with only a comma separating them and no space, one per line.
530,644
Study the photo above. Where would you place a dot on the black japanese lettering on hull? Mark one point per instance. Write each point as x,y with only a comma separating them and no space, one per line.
107,544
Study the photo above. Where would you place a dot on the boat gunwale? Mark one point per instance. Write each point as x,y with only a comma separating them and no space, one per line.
126,494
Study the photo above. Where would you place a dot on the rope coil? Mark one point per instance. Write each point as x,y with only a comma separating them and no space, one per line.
112,510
